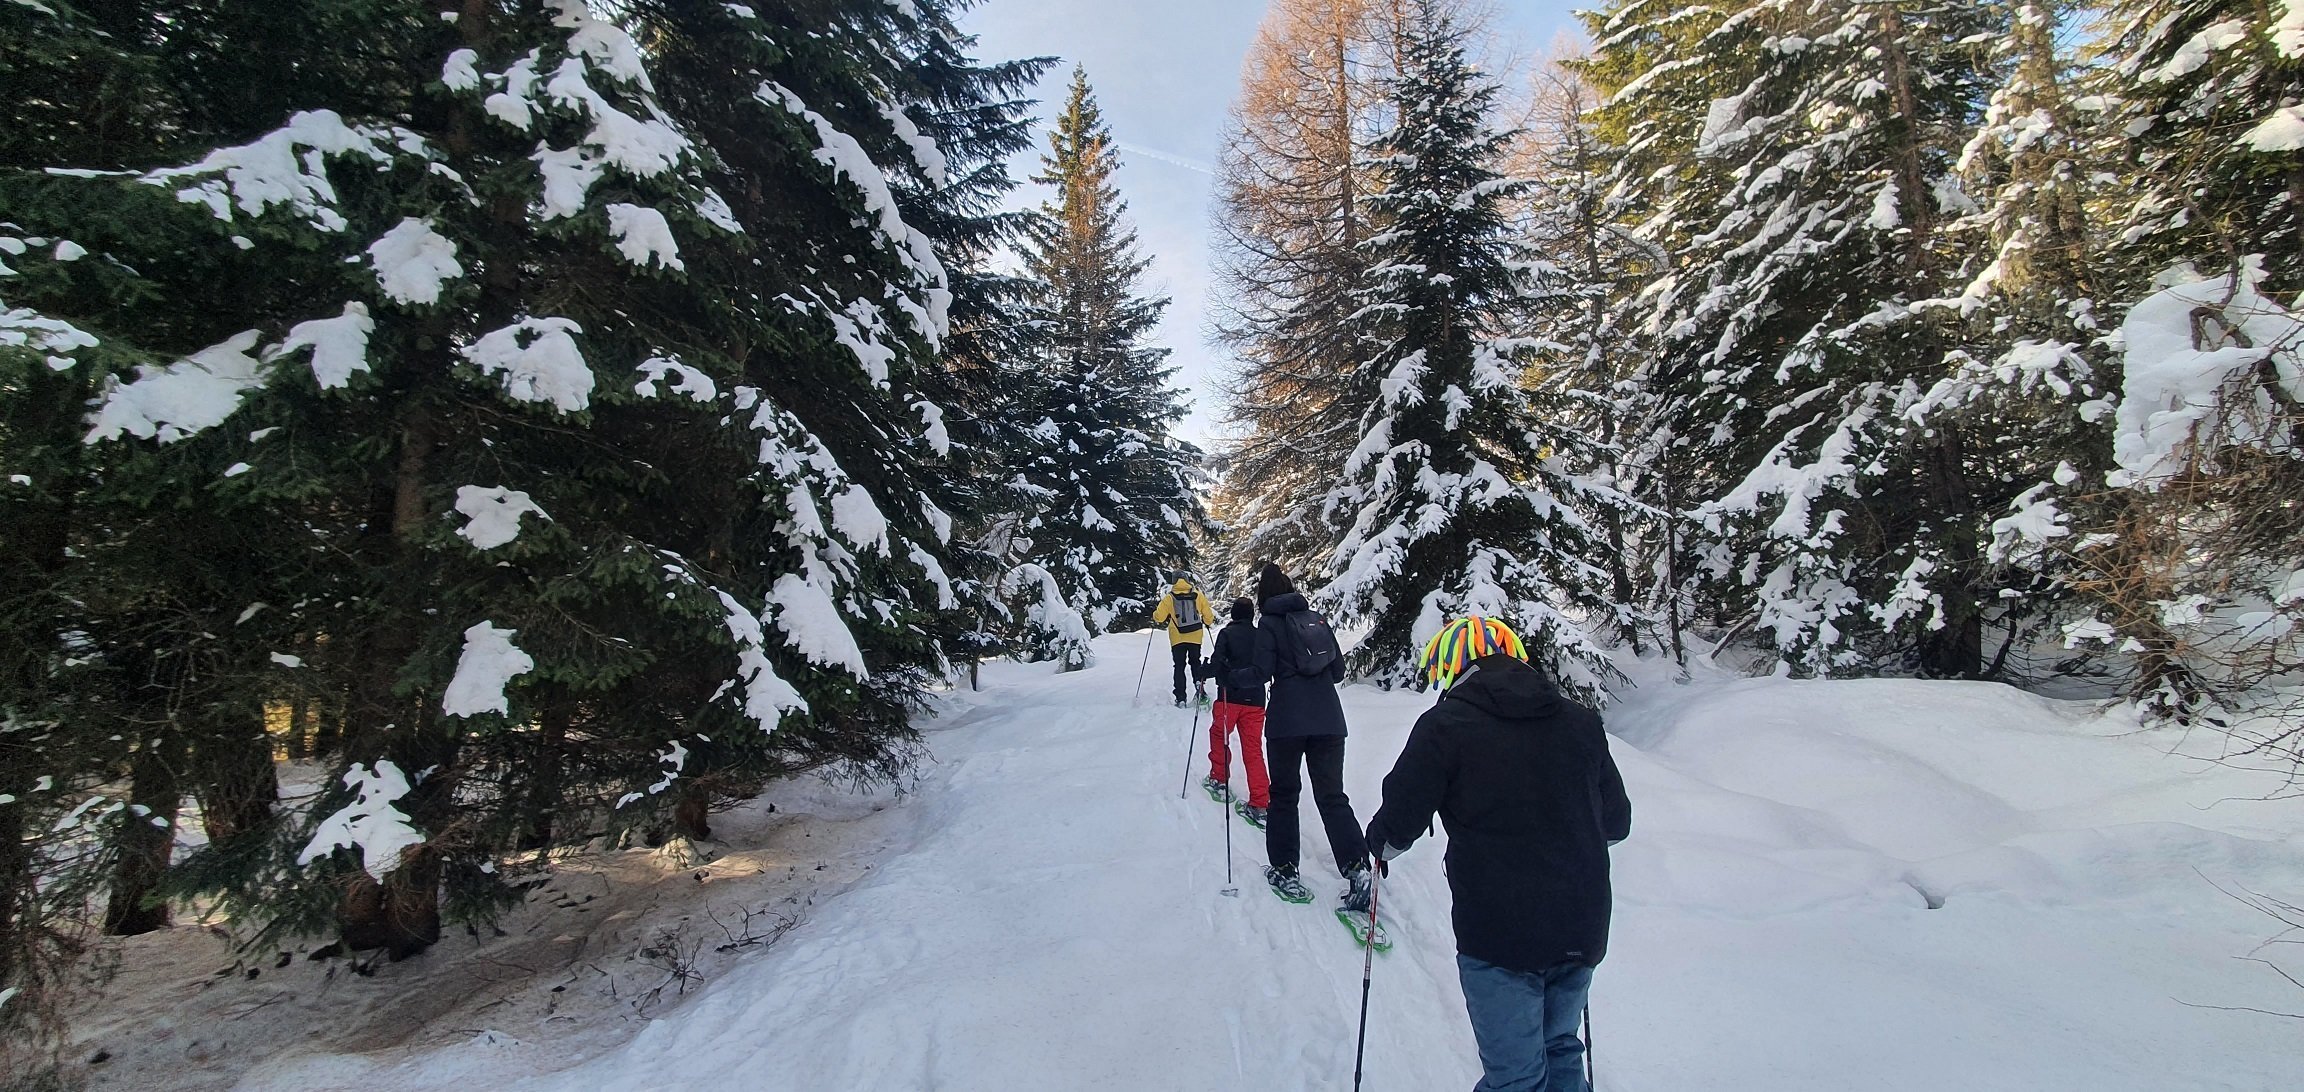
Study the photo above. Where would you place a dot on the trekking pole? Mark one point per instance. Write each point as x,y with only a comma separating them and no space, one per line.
1193,731
1367,963
1229,889
1591,1068
1140,669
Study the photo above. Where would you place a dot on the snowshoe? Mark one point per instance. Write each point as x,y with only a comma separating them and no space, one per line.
1363,889
1217,790
1357,921
1288,886
1250,812
1202,696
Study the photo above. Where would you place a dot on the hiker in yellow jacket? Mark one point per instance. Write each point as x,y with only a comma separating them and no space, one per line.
1186,613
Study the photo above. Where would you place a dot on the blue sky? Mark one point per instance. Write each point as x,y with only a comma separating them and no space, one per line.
1166,72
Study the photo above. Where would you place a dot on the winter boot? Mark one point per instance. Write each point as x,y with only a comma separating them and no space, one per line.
1357,897
1179,703
1287,885
1217,790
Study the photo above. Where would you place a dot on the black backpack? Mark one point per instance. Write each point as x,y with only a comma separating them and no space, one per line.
1313,643
1188,618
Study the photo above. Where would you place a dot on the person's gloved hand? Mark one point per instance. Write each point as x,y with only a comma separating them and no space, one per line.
1381,850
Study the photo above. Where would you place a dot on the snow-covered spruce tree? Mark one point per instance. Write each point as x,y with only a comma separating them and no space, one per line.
547,591
2207,94
137,679
1115,503
1587,371
848,304
2195,573
2027,379
979,119
1799,154
1458,499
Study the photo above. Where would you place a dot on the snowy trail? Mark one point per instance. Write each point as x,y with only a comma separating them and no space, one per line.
1059,925
1058,922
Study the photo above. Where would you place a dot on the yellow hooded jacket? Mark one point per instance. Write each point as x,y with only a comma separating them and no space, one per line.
1165,613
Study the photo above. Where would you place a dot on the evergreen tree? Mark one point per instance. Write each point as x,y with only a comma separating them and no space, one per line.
2027,378
1799,155
1114,503
2180,70
2193,571
978,118
1588,371
1456,499
572,393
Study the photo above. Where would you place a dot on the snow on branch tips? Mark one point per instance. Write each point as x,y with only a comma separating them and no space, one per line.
412,262
285,167
493,514
490,662
767,697
21,328
539,360
172,402
643,236
811,622
848,159
339,345
684,379
375,831
675,761
644,147
2196,359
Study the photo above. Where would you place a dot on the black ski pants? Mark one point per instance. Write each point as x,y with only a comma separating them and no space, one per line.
1187,656
1288,757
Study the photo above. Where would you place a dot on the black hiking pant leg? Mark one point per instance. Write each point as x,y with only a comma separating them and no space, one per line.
1289,758
1187,657
1324,760
1284,761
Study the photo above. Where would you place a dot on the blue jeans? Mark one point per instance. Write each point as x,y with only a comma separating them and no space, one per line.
1526,1025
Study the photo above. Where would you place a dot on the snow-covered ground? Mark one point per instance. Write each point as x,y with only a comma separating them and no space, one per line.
1056,920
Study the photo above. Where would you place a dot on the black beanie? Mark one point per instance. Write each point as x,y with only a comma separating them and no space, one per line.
1272,584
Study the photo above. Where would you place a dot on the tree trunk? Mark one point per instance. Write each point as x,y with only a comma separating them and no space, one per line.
238,783
1957,650
15,890
551,759
145,839
402,913
691,815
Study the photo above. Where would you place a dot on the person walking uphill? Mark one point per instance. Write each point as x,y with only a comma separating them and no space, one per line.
1532,799
1239,710
1304,733
1186,613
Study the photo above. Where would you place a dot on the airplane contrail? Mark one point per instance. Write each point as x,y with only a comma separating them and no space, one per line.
1149,153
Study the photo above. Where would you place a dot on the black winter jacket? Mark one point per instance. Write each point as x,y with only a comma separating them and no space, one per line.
1233,665
1523,779
1301,704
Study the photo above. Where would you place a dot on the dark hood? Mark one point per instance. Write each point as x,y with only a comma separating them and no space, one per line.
1507,689
1286,603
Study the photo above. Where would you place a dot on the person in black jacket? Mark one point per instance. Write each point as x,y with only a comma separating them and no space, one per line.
1304,732
1523,779
1239,710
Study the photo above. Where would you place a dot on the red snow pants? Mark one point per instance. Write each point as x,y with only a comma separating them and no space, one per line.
1248,720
